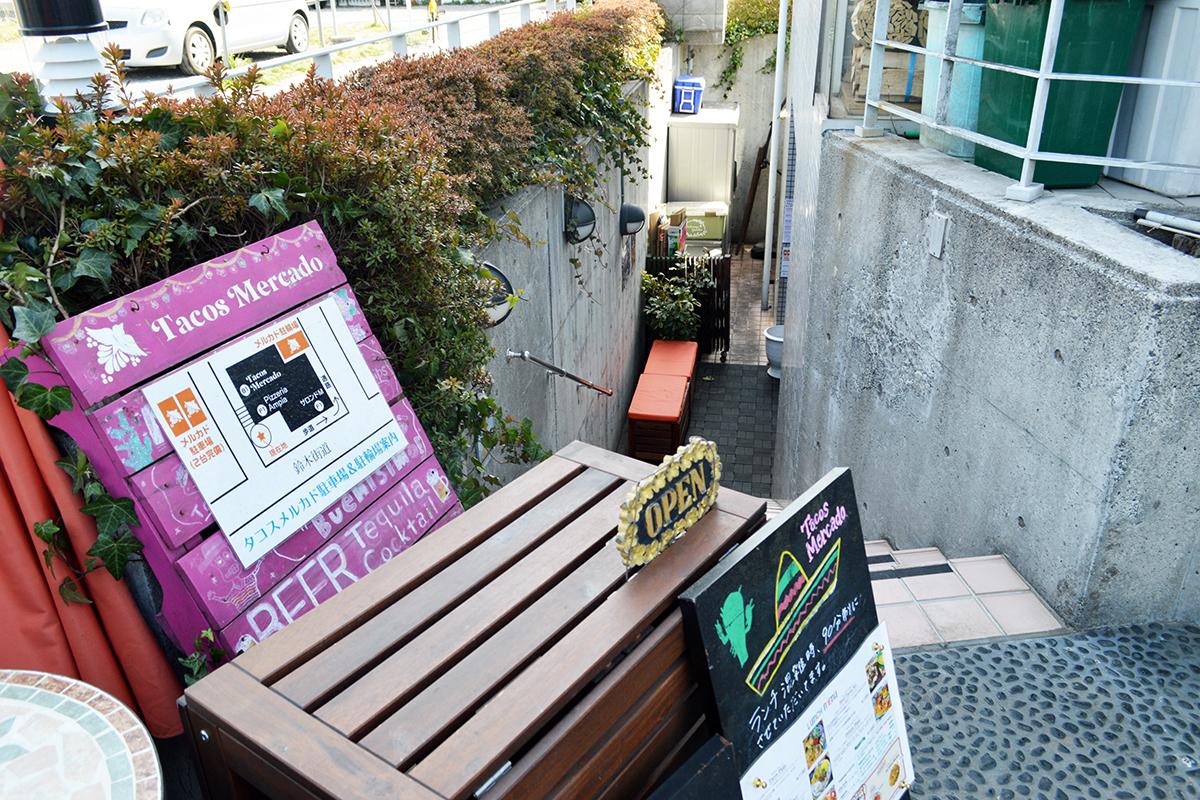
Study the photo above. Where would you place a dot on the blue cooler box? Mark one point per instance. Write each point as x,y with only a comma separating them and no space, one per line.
689,93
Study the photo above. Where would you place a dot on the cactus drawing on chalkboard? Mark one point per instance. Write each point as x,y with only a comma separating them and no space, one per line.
736,618
129,441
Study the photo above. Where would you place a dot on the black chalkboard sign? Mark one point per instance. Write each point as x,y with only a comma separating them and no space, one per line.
776,619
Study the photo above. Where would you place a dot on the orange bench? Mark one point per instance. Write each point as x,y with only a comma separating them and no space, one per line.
658,416
673,358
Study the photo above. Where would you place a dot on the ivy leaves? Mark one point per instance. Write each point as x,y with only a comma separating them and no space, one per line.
115,544
43,401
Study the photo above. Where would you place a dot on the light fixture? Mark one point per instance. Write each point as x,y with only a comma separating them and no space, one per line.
580,219
499,305
633,219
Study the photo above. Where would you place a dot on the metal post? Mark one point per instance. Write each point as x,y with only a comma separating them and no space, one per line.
526,13
946,69
493,23
1028,190
870,126
223,17
769,247
333,13
320,27
453,35
324,64
400,45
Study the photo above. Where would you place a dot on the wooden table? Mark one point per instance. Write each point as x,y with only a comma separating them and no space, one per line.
510,636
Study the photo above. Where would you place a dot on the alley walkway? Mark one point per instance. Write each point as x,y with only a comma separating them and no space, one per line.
736,402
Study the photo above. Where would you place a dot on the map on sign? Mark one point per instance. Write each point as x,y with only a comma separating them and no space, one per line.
276,426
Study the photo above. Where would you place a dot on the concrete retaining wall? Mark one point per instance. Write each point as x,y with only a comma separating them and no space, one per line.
1035,391
580,308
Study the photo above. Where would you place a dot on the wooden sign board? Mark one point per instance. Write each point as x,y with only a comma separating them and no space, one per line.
109,354
780,615
667,502
268,427
849,742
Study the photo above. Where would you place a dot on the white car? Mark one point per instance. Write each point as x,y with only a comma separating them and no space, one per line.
187,33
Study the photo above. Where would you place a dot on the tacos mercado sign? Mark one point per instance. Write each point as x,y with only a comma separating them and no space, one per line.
668,502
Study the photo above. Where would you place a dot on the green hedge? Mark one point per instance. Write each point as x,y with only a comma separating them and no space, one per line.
397,162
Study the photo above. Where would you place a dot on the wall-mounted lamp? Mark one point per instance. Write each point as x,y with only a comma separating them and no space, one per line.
499,305
580,219
633,219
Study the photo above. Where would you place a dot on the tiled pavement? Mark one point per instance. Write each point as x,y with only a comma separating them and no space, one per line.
735,406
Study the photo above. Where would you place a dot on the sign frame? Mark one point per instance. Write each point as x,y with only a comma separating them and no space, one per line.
808,565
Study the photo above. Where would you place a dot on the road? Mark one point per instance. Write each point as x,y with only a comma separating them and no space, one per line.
13,57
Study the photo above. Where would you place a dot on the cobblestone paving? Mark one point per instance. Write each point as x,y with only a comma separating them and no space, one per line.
734,406
1110,713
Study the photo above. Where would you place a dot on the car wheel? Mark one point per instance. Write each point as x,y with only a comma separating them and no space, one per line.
198,51
297,35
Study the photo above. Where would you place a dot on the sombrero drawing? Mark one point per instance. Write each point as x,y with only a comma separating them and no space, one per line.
797,598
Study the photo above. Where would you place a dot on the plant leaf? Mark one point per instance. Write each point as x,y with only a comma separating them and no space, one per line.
69,591
270,199
111,513
115,551
93,263
45,402
32,324
46,531
15,372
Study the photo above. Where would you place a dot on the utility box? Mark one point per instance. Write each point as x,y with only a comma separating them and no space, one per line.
1159,123
700,154
689,94
706,223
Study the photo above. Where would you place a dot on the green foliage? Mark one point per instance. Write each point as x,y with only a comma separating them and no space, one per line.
204,658
397,163
747,19
111,550
673,301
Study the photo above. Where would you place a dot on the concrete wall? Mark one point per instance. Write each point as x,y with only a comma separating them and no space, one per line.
754,93
578,310
702,21
1035,391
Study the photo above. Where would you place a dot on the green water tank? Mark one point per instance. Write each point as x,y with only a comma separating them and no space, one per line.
1097,37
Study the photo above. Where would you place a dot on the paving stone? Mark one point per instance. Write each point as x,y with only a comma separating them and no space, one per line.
1042,695
730,409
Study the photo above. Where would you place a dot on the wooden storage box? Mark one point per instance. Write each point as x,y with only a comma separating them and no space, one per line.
511,636
659,416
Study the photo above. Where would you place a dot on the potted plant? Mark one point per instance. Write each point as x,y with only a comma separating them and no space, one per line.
672,302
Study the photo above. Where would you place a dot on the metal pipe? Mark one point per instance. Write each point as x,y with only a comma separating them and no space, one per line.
552,369
769,245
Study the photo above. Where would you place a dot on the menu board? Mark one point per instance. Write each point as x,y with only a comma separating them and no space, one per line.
852,737
277,426
780,615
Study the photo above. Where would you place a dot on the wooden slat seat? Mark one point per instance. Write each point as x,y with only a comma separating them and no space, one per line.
513,635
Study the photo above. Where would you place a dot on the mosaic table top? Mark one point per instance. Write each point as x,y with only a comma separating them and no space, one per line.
61,737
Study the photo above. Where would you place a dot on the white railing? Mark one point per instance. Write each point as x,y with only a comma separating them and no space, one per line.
451,30
1030,153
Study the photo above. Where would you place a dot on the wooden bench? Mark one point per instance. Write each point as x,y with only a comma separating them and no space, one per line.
511,636
659,415
674,358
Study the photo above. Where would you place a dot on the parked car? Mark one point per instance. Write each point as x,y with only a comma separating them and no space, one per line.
187,33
